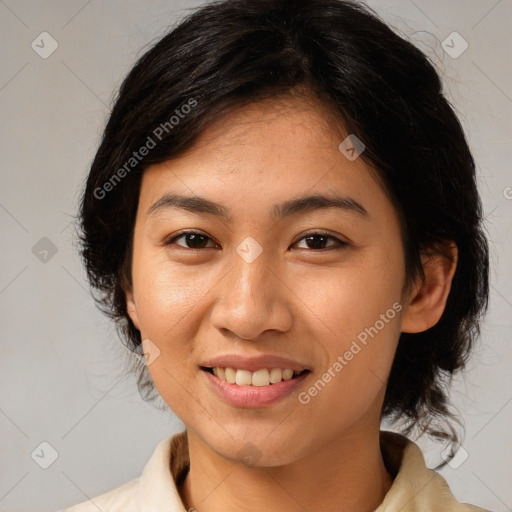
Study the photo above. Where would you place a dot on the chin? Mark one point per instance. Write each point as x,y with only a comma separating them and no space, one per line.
254,447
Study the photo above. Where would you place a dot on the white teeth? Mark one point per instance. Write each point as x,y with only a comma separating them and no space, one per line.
262,377
287,374
276,375
243,377
230,375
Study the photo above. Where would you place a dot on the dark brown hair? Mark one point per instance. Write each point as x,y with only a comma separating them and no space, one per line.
382,88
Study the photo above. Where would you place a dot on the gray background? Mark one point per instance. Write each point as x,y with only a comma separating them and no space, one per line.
62,367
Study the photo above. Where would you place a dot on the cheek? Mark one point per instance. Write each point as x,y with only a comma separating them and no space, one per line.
169,305
354,380
167,294
343,301
357,313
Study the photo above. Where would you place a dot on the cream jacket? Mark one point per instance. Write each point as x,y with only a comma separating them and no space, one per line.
415,488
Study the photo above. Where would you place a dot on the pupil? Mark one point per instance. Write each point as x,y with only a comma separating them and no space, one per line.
194,240
320,239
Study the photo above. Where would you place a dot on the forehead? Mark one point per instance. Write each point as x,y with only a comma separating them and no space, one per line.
264,152
259,131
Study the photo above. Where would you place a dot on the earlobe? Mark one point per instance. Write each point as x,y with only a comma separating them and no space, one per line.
131,308
428,300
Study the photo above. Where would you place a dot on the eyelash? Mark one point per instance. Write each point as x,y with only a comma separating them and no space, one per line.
340,244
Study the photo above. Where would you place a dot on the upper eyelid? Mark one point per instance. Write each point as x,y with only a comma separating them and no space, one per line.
320,233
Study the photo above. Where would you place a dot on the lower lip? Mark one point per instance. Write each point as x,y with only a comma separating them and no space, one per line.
250,397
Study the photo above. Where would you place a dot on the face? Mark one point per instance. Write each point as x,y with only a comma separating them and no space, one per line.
261,283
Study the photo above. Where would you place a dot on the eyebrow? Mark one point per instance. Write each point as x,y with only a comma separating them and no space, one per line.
303,204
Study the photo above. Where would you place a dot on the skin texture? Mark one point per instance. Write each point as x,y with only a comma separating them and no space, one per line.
294,301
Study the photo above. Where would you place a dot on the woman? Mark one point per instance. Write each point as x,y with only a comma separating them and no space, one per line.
282,216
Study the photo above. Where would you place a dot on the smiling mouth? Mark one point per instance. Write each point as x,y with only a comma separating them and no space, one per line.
261,377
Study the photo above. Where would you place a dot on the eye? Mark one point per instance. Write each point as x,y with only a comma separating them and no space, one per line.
198,240
192,240
318,240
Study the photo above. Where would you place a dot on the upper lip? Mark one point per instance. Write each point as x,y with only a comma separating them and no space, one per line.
253,363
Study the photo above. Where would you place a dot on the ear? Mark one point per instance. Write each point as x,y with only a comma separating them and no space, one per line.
131,307
427,301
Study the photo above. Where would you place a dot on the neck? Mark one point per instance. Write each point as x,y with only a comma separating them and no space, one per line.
345,475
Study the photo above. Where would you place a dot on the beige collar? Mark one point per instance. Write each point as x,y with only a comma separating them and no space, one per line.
415,488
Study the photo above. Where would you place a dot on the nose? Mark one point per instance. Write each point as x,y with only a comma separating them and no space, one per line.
252,299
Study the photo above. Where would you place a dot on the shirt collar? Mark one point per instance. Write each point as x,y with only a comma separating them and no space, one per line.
415,487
